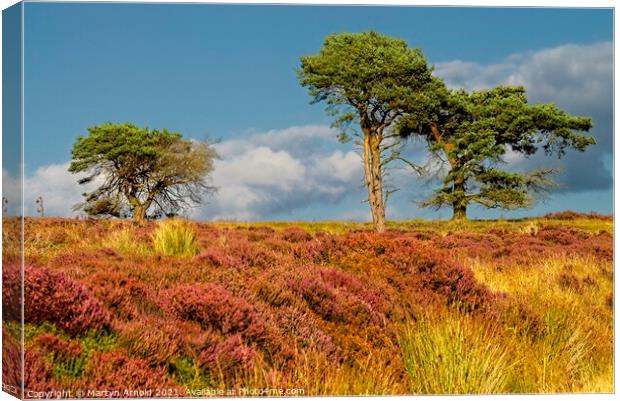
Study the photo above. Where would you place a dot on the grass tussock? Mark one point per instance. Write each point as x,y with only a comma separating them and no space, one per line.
175,238
455,355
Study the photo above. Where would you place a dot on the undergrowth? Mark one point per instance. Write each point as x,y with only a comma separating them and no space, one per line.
331,308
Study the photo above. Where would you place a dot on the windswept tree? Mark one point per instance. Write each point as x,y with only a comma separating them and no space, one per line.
143,172
370,81
472,132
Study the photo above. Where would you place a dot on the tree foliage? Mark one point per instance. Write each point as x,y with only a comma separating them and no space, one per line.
143,172
371,81
472,132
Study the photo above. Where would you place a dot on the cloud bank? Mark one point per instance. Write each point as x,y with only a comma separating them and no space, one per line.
280,171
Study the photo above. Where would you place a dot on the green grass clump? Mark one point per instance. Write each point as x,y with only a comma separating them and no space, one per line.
175,238
455,355
71,366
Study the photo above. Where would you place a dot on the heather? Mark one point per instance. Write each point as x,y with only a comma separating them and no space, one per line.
331,308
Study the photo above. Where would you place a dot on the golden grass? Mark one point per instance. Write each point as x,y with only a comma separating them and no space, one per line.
529,225
574,351
124,241
456,354
175,238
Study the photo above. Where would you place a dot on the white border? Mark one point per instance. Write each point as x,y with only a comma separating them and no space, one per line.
474,3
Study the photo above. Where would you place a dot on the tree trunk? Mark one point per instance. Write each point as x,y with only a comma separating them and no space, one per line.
373,177
139,213
459,206
139,209
459,212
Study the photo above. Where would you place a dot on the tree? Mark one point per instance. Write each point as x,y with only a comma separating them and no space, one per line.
371,80
471,132
142,171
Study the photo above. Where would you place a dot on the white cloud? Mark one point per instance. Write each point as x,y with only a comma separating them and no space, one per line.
261,166
573,75
280,171
295,139
54,183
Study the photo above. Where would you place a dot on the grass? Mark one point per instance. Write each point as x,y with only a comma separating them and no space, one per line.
436,226
175,238
456,354
126,243
574,351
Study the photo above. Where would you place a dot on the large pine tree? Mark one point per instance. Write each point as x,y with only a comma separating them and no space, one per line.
471,132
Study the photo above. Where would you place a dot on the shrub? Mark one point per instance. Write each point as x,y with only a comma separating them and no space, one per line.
11,292
175,238
335,295
59,347
249,253
322,299
116,371
213,306
38,372
53,297
126,297
571,215
301,330
220,258
66,355
228,356
295,234
430,269
155,341
11,362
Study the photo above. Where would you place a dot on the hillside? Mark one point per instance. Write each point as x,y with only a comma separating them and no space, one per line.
327,308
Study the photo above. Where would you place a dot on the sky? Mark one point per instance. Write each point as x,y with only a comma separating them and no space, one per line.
226,73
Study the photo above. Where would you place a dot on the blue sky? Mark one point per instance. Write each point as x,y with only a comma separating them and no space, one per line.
228,73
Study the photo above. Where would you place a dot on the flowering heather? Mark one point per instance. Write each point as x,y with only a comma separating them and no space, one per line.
295,234
124,296
213,306
303,330
59,347
153,340
53,297
335,295
228,356
510,247
218,257
570,215
38,372
11,292
329,307
11,360
115,371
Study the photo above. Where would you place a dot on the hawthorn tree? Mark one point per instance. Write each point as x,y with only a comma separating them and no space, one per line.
370,81
143,172
471,132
